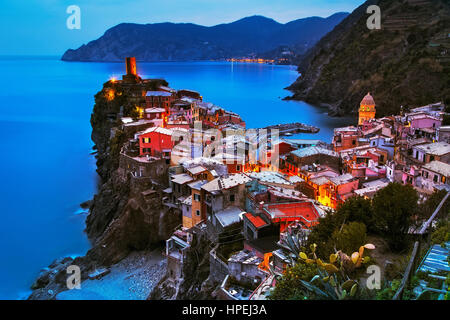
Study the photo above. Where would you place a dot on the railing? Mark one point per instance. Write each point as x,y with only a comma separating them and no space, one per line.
412,264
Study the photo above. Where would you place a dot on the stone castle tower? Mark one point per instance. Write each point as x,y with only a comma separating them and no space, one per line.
366,109
131,76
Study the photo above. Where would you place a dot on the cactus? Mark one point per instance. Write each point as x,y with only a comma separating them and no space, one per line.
333,282
294,240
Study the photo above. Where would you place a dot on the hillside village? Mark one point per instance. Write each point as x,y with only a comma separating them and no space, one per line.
245,191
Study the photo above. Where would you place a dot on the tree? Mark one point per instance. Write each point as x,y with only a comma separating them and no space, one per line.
442,234
427,208
351,237
321,233
355,209
393,209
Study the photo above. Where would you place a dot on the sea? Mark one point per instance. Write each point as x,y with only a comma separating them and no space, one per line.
47,162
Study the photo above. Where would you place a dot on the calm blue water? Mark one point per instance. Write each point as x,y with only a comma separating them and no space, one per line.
47,169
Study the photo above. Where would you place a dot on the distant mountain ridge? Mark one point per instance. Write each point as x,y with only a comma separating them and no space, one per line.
187,41
406,63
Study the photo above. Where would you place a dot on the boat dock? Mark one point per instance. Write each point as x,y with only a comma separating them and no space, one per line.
288,129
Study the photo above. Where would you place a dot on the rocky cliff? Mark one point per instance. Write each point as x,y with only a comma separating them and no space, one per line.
121,219
406,63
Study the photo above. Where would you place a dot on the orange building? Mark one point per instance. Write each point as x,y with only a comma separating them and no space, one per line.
366,109
195,208
198,213
346,138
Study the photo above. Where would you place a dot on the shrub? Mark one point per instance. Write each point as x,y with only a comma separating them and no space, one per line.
356,209
393,208
351,237
427,208
289,287
441,235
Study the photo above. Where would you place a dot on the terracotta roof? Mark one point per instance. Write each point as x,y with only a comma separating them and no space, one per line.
368,100
257,221
305,211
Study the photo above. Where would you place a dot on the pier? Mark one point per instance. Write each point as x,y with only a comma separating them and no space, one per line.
288,129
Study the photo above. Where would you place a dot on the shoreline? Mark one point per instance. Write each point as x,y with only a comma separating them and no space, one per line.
87,262
132,278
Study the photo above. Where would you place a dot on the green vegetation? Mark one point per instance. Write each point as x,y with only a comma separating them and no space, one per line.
404,63
389,290
350,237
389,216
116,144
442,234
289,287
427,208
311,278
331,228
393,209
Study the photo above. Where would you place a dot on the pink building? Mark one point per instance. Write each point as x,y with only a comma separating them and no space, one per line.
410,175
421,121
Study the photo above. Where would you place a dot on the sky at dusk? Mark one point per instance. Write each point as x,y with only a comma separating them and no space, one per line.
38,27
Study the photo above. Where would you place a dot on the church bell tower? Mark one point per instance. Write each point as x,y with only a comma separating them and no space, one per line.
367,109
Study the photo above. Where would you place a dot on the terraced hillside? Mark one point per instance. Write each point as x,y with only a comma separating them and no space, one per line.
406,63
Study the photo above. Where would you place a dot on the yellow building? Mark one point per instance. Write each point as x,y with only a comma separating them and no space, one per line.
366,109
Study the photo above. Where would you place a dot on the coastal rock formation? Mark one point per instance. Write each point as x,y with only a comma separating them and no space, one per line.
52,279
187,41
406,63
121,219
